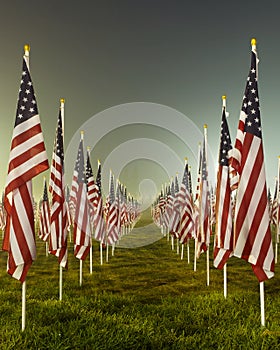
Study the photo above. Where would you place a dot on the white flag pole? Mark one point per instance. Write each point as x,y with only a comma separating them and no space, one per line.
62,102
195,252
262,303
60,282
90,249
101,253
207,252
23,306
90,259
81,261
23,289
225,280
182,251
81,272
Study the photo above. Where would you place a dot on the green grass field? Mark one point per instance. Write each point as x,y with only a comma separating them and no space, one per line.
143,298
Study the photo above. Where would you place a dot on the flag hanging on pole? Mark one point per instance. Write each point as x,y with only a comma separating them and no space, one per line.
223,233
58,236
186,225
252,235
44,219
28,158
99,223
112,215
204,230
82,227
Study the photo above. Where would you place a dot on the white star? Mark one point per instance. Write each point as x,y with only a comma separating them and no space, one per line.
253,111
249,103
27,91
253,91
25,99
31,110
253,70
20,116
249,123
22,108
24,73
256,120
256,99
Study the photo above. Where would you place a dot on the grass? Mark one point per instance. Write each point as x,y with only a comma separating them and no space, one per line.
143,298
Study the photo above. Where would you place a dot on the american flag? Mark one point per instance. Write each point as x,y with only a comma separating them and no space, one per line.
74,187
223,235
58,236
99,223
186,225
112,215
91,187
44,219
168,208
82,227
28,158
204,231
177,208
252,235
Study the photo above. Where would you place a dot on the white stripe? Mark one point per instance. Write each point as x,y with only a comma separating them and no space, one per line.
24,167
26,125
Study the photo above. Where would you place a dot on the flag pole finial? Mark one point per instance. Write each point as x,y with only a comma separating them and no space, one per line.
26,48
62,100
82,134
205,126
254,43
224,100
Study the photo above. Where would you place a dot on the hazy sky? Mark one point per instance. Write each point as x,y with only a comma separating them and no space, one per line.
102,56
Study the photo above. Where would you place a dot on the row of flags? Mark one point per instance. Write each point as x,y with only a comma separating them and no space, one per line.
82,208
241,211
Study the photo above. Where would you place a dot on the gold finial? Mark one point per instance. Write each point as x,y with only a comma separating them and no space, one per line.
278,157
26,48
62,100
82,134
224,97
253,42
186,158
88,148
205,126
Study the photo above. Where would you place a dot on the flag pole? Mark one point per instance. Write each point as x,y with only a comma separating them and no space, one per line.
62,101
90,250
81,272
101,253
196,196
262,303
207,251
23,310
81,261
225,266
23,290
